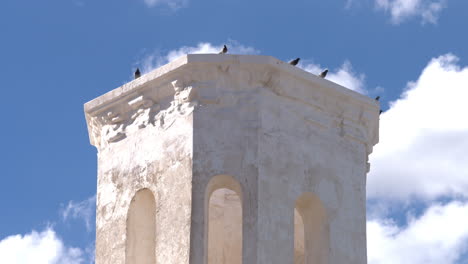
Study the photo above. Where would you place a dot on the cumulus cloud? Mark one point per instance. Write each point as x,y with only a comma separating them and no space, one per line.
155,60
83,210
38,247
172,4
46,247
423,149
344,75
440,235
400,10
422,158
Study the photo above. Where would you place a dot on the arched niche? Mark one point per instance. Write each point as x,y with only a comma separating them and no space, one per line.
223,203
141,229
311,231
298,238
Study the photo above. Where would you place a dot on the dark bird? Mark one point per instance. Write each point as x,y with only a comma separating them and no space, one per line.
380,112
295,61
324,73
137,74
224,50
377,98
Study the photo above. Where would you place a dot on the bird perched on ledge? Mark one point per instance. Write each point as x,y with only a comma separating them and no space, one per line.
295,61
224,50
137,74
377,98
323,74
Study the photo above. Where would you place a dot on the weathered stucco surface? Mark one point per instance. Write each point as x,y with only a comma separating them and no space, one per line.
276,136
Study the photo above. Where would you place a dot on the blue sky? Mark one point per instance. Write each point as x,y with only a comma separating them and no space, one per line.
58,54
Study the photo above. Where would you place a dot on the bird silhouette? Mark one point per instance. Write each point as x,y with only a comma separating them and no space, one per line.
224,50
137,74
324,73
377,98
295,61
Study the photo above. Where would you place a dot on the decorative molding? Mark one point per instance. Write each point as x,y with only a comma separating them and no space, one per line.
183,94
131,114
318,102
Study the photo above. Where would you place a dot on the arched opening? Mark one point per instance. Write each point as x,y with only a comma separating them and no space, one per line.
224,221
141,229
311,231
298,238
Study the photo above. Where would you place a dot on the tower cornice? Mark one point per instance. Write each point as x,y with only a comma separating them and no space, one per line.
200,79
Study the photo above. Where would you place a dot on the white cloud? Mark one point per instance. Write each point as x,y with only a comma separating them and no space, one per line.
350,3
423,149
155,60
39,248
78,3
401,10
84,210
172,4
440,235
46,247
344,75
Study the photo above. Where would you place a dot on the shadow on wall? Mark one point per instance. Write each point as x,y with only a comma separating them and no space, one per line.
140,245
224,226
311,231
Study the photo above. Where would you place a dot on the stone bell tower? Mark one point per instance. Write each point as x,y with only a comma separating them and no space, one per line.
231,159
